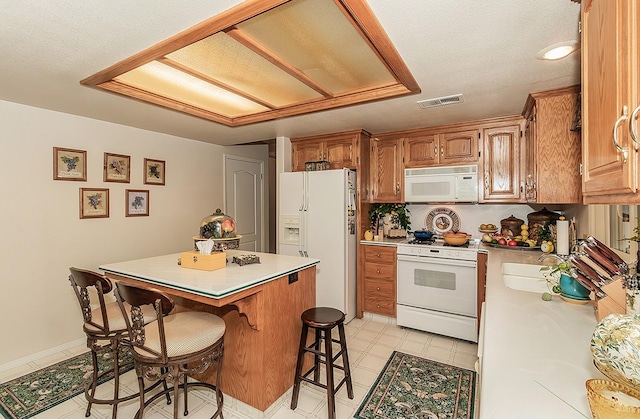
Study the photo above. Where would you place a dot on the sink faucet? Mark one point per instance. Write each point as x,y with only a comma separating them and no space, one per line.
546,256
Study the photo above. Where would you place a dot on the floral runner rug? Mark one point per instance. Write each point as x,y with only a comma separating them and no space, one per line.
413,387
40,390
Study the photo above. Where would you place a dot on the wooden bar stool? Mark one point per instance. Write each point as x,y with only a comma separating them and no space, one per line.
323,320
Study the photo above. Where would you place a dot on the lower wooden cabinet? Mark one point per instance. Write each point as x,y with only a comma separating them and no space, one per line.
379,280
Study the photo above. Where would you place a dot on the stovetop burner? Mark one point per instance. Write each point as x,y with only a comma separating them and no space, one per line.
425,242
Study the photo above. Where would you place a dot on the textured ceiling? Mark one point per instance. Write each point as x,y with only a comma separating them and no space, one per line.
483,49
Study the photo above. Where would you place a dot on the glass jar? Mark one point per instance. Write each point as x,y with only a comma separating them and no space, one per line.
218,226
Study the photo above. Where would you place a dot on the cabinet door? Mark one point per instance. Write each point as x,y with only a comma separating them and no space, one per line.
304,151
459,147
530,173
502,164
386,170
421,151
557,153
608,46
340,152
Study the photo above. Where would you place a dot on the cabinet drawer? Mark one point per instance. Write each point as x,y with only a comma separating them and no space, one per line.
380,271
380,306
379,289
379,254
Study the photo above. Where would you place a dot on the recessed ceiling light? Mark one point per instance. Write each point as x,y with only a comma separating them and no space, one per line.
558,51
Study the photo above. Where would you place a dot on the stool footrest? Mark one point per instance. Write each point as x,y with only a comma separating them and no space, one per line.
324,386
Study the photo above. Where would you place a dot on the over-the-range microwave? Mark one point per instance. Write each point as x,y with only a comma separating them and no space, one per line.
441,184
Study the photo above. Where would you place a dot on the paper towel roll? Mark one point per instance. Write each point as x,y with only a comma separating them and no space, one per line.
562,237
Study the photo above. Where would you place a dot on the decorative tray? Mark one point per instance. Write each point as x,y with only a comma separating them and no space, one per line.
504,246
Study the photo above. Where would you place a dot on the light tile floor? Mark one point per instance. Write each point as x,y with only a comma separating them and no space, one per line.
370,341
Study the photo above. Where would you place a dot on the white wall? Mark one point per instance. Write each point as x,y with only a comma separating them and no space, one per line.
42,234
471,216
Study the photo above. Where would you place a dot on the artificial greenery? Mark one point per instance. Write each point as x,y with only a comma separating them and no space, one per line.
399,214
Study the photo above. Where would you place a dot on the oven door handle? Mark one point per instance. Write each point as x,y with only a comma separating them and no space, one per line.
437,261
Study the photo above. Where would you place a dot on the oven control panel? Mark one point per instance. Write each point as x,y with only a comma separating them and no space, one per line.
438,252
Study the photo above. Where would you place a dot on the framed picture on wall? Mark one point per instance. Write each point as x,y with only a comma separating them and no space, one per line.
117,168
69,164
94,203
137,202
154,171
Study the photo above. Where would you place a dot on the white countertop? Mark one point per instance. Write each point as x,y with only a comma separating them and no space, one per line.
164,270
536,355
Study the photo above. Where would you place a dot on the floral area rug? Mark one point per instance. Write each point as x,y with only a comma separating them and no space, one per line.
411,387
38,391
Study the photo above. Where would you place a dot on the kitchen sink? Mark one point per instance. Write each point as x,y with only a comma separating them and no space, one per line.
524,277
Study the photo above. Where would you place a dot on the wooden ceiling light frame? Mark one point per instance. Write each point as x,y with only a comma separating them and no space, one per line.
357,13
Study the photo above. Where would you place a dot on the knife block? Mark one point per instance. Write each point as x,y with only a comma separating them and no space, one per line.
614,302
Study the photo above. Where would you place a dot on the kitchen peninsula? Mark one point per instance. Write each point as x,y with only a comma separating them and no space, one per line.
260,303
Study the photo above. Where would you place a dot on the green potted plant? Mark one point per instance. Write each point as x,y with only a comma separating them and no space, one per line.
399,215
561,281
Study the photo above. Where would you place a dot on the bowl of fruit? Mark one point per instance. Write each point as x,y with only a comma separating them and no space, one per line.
488,228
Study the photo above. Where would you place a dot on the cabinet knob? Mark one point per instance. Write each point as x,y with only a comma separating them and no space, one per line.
377,255
377,288
377,271
378,305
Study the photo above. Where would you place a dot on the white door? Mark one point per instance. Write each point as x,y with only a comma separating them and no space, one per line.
244,198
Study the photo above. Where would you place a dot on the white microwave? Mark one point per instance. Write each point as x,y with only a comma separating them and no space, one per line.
441,184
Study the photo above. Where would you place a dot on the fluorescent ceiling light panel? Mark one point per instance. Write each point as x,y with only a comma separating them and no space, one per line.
267,59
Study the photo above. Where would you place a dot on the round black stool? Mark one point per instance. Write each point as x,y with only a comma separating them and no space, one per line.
323,320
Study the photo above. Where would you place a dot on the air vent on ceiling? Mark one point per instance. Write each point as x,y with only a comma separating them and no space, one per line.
440,101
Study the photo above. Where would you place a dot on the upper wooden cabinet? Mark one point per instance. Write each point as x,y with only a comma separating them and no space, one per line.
443,148
341,150
553,150
387,172
501,177
610,100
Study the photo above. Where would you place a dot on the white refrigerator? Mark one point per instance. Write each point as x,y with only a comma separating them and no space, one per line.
317,218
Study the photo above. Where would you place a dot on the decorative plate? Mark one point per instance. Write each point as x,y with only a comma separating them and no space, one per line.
615,346
442,220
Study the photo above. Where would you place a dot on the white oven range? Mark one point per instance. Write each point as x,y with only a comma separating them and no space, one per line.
437,288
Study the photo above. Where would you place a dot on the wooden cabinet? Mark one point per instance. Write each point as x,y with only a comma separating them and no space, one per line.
387,172
610,100
341,150
553,150
379,280
502,165
438,149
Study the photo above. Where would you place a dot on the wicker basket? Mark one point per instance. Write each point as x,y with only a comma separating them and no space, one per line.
611,400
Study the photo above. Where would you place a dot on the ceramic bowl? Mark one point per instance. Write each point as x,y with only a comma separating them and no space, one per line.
573,289
455,239
615,346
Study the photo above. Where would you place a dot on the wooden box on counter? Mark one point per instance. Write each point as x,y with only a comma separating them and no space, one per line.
614,302
195,260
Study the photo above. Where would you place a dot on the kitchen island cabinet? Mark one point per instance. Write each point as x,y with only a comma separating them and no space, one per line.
534,355
261,305
610,100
